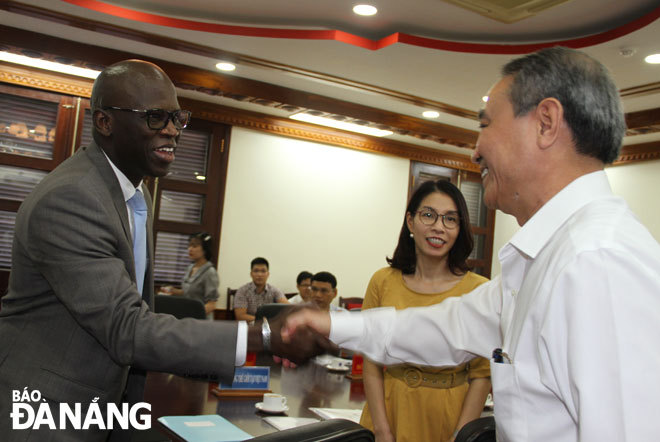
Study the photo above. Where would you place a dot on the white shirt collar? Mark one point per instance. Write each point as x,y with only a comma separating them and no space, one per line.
127,188
537,231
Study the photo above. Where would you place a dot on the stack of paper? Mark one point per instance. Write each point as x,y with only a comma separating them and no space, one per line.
286,422
211,428
338,413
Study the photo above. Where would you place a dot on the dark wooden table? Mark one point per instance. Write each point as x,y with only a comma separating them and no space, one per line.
308,386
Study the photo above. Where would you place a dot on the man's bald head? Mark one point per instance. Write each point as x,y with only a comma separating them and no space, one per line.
122,84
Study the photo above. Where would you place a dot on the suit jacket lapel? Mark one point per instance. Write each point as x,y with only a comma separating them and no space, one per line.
148,293
101,163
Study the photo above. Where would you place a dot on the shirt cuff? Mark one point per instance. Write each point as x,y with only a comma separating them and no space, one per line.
346,328
241,343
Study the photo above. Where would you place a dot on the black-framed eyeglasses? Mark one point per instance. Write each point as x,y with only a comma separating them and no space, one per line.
429,217
157,119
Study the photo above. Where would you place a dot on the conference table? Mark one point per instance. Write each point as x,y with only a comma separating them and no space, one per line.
311,385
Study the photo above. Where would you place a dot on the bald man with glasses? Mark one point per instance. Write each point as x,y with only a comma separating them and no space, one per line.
77,322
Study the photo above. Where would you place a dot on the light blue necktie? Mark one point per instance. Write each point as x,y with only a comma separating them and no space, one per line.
139,208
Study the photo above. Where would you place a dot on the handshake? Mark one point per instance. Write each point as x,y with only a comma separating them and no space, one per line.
297,334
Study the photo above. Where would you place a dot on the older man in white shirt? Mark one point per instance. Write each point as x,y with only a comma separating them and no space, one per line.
574,319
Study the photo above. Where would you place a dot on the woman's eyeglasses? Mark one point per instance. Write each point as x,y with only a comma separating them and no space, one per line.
429,217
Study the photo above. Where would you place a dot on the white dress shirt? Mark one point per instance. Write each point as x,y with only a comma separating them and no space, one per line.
576,309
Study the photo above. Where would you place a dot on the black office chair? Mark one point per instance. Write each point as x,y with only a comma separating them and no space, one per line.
333,430
179,306
478,430
269,310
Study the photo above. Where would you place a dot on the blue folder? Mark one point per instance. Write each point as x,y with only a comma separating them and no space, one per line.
207,428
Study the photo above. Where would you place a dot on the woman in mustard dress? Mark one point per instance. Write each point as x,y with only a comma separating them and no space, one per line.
417,403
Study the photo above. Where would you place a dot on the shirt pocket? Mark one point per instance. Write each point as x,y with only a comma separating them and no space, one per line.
508,404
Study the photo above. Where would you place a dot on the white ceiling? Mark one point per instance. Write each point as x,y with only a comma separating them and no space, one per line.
455,78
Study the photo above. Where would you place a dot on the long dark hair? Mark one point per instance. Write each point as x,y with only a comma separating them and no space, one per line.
405,258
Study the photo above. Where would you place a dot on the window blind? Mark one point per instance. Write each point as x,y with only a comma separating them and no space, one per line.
171,258
180,206
191,159
16,183
472,192
7,222
86,134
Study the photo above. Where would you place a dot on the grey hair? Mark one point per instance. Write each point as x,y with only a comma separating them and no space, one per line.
591,102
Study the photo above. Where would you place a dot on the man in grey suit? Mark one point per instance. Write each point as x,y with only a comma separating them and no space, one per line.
73,325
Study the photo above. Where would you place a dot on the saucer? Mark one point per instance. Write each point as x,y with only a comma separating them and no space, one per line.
341,369
260,407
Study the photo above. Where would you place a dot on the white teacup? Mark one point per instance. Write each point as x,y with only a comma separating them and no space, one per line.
336,365
274,402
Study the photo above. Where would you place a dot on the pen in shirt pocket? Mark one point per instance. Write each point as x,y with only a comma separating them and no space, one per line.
500,357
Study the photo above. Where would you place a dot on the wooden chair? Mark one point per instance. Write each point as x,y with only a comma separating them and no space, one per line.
350,303
230,298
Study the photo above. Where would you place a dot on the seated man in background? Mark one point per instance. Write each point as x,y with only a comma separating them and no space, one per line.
253,294
304,285
324,290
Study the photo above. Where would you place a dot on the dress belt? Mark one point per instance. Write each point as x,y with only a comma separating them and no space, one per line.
415,377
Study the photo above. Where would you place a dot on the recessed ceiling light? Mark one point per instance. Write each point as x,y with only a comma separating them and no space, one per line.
225,66
323,121
484,98
48,65
365,10
653,59
430,114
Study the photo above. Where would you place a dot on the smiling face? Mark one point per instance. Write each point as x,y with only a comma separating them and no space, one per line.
435,240
133,147
502,151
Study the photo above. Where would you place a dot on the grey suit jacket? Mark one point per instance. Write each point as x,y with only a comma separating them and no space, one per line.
73,324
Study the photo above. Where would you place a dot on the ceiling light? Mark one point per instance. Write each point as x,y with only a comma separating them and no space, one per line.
48,65
225,66
484,98
653,59
365,10
430,114
323,121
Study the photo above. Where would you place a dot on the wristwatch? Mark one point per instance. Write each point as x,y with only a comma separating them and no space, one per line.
265,334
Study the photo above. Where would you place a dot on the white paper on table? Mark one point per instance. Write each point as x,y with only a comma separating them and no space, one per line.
286,422
338,413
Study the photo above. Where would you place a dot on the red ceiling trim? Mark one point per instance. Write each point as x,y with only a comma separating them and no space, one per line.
345,37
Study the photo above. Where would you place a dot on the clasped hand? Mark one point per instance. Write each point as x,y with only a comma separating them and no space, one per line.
293,338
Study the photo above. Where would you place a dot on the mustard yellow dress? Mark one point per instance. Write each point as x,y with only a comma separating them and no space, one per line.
419,414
